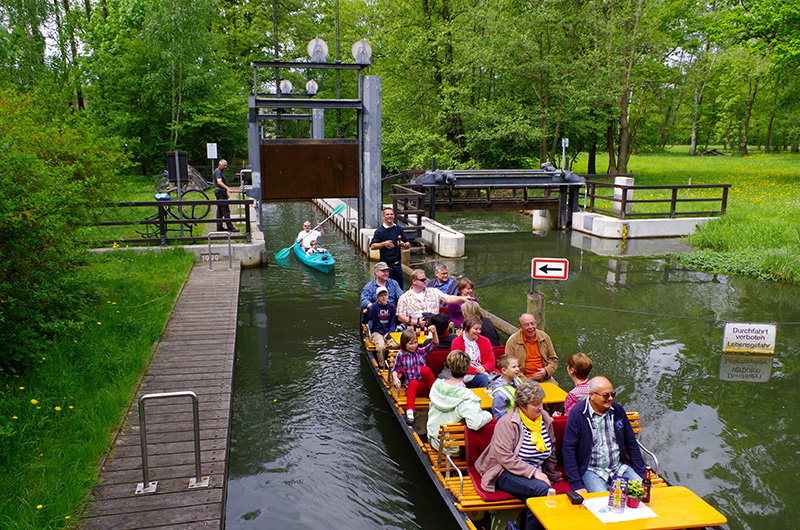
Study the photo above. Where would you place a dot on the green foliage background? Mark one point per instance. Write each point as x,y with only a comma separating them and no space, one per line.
56,172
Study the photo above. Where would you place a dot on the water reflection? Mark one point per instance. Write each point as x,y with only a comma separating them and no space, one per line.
314,445
656,328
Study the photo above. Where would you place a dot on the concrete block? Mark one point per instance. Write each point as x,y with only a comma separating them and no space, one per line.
543,219
623,181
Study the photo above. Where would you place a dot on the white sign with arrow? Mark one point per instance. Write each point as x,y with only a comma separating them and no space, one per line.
549,269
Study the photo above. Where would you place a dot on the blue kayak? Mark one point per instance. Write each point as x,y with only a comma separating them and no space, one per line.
322,262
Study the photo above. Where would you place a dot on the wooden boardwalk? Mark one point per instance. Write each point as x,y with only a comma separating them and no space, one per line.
196,353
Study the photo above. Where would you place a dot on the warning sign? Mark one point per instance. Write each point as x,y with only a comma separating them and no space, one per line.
749,337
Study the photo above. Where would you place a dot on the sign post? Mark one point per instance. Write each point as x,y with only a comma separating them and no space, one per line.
544,269
549,269
747,337
211,154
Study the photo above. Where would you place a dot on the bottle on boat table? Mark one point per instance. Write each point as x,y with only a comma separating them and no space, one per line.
647,483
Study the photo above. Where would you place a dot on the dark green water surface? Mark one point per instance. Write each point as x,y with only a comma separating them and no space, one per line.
315,446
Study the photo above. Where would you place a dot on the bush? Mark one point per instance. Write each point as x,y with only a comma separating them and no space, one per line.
55,174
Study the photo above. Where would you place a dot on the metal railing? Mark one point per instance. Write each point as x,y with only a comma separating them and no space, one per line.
167,222
195,482
230,253
622,197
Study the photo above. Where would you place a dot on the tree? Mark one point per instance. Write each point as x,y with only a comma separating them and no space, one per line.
55,167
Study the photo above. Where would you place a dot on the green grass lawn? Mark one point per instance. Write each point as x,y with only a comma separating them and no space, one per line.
760,234
58,420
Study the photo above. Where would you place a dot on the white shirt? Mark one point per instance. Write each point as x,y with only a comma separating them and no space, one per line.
306,238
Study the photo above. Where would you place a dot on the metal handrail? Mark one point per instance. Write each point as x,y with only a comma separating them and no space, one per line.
230,252
196,482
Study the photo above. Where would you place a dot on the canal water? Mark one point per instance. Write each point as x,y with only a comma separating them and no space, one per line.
314,445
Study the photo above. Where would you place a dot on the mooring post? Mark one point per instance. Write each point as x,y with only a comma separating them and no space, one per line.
536,301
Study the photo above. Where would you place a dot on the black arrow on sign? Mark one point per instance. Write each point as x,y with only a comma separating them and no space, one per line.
545,269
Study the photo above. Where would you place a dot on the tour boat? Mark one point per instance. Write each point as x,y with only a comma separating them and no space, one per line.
458,482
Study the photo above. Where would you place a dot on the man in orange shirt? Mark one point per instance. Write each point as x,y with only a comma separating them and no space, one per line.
534,350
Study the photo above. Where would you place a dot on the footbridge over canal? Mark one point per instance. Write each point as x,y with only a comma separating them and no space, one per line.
426,192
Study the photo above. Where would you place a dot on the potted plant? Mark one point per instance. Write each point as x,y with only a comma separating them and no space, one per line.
635,493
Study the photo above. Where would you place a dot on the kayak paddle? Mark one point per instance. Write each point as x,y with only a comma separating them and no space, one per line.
285,252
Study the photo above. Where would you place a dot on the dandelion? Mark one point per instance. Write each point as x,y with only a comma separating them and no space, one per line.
66,517
34,402
70,407
57,408
99,323
14,418
22,388
39,506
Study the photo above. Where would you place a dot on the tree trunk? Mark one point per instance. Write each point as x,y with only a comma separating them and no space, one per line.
624,138
698,102
592,162
768,140
612,155
745,125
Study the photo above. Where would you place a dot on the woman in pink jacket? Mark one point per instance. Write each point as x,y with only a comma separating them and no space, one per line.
479,350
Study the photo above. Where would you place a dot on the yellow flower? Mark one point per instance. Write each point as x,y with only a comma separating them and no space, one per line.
22,388
38,506
34,401
99,323
57,408
14,417
66,517
70,406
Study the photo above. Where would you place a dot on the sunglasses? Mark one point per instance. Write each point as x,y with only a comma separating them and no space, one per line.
607,395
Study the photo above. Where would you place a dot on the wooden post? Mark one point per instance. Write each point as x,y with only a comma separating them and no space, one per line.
536,301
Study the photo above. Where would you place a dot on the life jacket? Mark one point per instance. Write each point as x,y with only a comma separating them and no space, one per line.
510,391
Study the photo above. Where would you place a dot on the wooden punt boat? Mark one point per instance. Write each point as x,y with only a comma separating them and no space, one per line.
454,477
322,262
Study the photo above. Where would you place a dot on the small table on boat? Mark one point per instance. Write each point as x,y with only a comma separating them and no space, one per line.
676,507
421,337
553,394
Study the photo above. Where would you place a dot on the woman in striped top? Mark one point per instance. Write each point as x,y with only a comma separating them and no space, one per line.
520,459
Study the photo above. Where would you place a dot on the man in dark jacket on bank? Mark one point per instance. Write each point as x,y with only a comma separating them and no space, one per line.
599,442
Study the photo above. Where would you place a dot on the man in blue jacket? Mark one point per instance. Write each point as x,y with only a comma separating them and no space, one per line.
599,442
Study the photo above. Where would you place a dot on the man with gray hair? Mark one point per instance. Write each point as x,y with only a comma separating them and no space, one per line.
442,279
599,442
222,193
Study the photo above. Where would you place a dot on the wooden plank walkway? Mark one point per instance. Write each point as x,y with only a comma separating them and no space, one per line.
196,353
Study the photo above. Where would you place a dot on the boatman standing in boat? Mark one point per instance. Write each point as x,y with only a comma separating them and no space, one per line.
534,350
222,193
599,442
389,239
307,235
421,300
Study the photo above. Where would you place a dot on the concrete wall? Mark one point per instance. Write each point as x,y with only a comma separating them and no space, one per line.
443,240
613,228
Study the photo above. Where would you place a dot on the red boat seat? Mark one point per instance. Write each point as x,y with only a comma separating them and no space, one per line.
475,442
